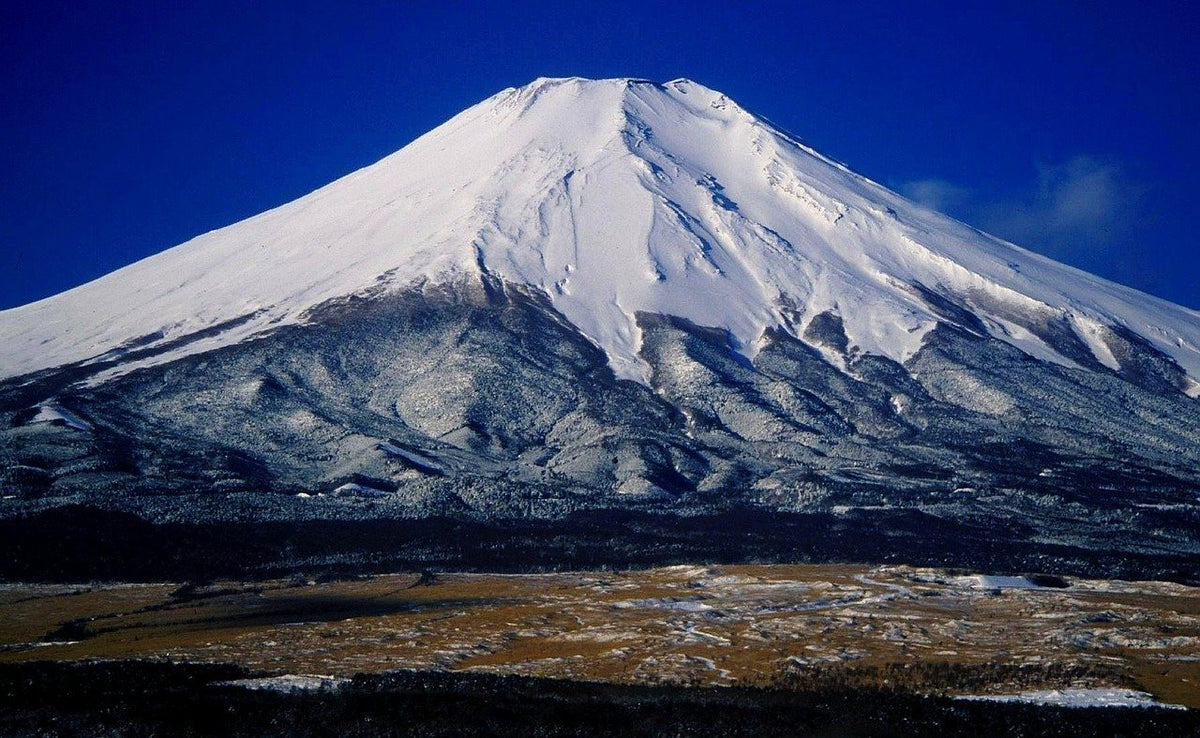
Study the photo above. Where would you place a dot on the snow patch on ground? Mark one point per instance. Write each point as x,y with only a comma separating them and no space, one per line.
352,489
290,683
1102,697
49,412
664,603
994,581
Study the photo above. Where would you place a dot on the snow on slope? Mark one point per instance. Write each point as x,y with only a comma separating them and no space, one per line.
613,197
1078,698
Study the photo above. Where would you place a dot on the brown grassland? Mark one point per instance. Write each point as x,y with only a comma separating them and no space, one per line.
902,628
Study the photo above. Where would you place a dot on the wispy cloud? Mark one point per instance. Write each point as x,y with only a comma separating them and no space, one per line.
938,194
1083,211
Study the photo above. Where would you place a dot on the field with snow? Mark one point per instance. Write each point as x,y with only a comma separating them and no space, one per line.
911,630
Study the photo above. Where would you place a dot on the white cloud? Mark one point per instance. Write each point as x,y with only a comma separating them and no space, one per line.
935,193
1083,204
1080,211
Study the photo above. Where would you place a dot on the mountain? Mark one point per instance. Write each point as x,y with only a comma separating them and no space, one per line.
612,295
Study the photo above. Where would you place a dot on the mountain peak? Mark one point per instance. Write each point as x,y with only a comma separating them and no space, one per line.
614,198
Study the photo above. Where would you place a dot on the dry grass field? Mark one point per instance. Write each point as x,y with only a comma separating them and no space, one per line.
903,628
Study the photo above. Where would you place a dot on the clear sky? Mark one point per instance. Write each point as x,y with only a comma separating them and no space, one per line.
1067,127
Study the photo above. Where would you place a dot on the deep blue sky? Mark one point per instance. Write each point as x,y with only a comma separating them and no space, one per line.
1064,126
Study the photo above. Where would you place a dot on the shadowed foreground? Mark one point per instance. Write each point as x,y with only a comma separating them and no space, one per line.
140,699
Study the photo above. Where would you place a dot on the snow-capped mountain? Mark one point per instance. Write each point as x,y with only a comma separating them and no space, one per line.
449,330
612,197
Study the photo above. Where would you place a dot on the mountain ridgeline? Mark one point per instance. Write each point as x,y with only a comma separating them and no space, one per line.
584,296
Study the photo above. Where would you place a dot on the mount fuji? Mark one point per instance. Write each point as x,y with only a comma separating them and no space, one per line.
614,296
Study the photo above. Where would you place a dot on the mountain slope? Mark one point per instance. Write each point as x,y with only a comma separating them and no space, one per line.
452,331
